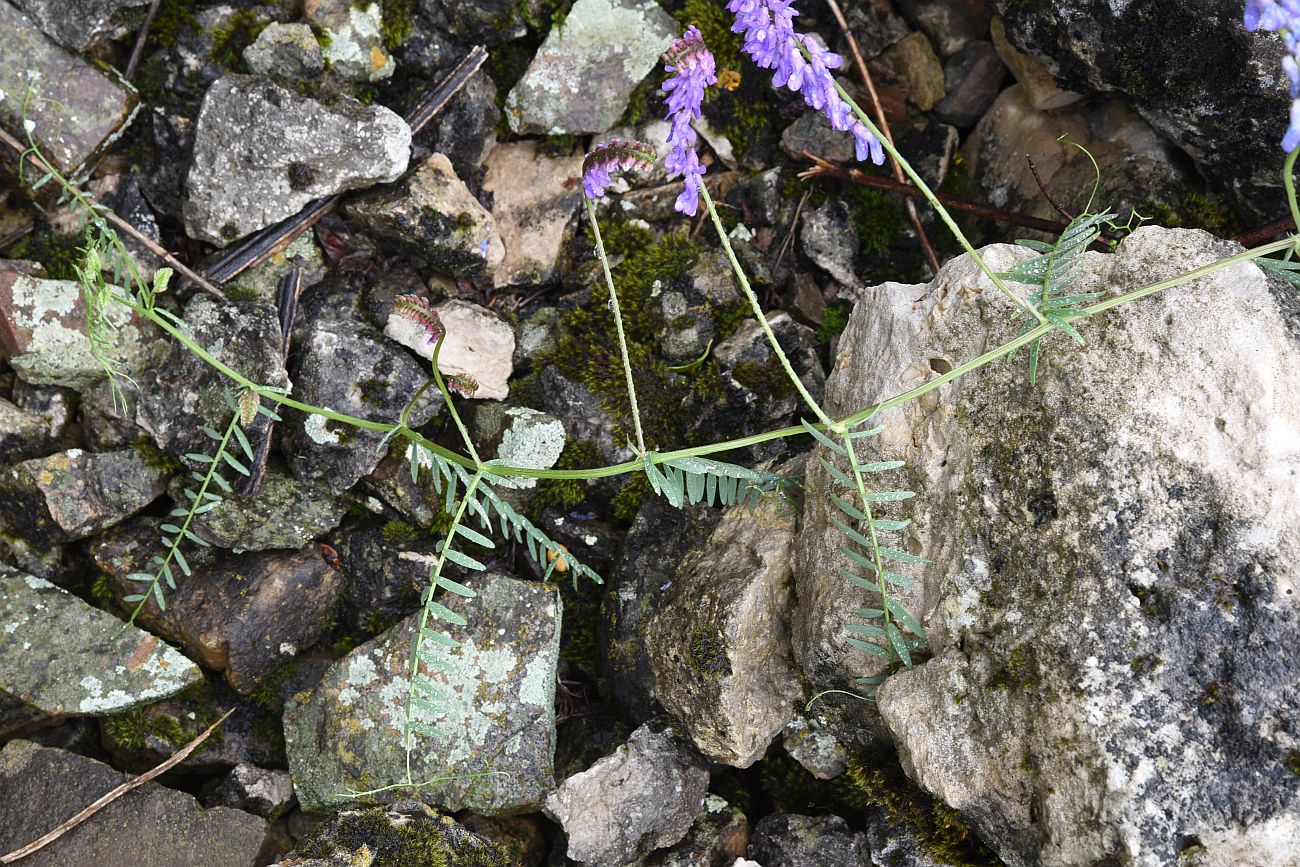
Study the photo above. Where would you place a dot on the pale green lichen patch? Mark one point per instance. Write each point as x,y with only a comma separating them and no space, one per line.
531,439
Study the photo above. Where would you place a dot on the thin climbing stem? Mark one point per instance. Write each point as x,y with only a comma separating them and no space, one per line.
758,311
1288,181
451,407
881,586
618,325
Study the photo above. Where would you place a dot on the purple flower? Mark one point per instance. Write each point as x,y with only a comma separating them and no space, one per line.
692,68
1282,16
615,155
770,39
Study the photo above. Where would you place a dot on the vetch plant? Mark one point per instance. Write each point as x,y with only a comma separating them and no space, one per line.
883,628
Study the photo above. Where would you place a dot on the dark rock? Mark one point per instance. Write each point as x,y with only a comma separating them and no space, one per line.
499,709
761,396
432,215
406,832
808,743
386,567
688,329
1204,91
584,419
80,25
828,237
875,27
59,657
972,78
643,796
783,840
23,434
286,51
75,494
719,835
812,133
74,108
261,152
466,130
260,791
349,368
950,24
583,75
492,22
246,615
151,826
54,405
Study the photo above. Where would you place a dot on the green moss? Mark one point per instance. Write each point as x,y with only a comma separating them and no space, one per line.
1293,762
374,392
241,293
877,217
708,652
793,790
267,693
1195,211
232,36
398,533
767,381
834,320
424,843
174,17
1019,672
398,21
102,592
627,502
565,494
729,317
954,183
155,458
59,253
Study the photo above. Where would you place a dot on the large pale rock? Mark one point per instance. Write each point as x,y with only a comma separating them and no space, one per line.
534,197
582,76
643,796
478,342
500,709
718,641
261,152
1111,603
59,657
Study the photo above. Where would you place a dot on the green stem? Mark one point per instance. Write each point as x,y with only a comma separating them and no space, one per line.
618,324
758,310
1288,181
881,586
451,407
939,208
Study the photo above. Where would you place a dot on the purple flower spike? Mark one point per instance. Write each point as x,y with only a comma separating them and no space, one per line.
770,39
615,155
1282,16
692,68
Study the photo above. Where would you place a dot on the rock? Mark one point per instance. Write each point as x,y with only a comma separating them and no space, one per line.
521,437
583,75
950,24
827,237
386,567
43,328
811,133
895,845
260,791
466,131
23,434
75,494
643,796
321,450
875,27
783,840
406,832
1041,89
143,737
152,826
60,657
75,108
1216,92
245,615
494,22
182,394
1112,585
261,152
434,216
534,198
80,25
499,717
809,744
1141,167
478,342
720,833
718,642
536,335
914,61
764,395
972,78
354,45
55,407
688,331
261,282
286,51
284,513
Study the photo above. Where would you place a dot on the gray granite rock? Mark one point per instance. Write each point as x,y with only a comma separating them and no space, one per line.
151,826
348,367
261,152
499,716
23,434
59,657
385,568
762,395
75,108
718,640
784,840
950,24
643,796
75,494
808,743
719,835
828,237
245,615
406,832
432,215
1111,600
972,79
521,437
261,791
582,76
286,51
533,201
286,512
354,43
79,25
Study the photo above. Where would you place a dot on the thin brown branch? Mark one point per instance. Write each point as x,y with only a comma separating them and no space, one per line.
883,123
260,246
1042,188
1280,226
143,36
134,783
122,225
788,241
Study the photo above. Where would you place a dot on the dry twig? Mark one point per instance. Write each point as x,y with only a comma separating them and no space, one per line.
143,36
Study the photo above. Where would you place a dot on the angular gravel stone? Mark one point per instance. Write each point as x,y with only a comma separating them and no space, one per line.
285,513
534,197
582,76
644,796
354,45
75,108
79,25
782,840
75,494
407,832
261,152
286,51
478,342
500,709
59,657
151,826
23,434
261,791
